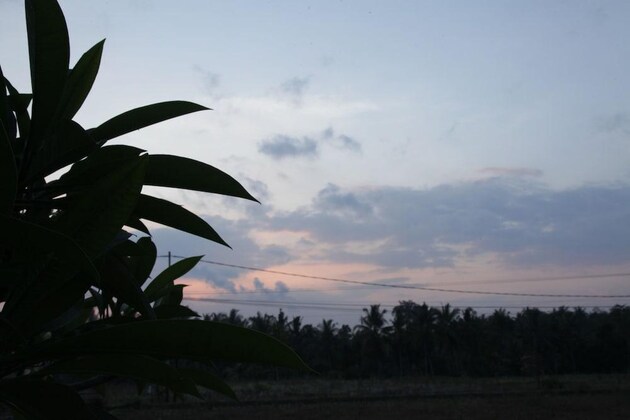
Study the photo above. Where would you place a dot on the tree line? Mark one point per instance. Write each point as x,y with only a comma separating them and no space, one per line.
421,340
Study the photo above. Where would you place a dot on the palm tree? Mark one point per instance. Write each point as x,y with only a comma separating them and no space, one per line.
372,332
374,320
446,336
327,330
472,339
422,326
401,330
281,327
235,318
263,323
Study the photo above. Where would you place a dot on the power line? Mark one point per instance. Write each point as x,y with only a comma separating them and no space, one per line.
258,291
407,286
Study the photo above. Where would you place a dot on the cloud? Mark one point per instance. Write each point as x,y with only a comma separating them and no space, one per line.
520,223
279,290
514,172
334,201
348,143
328,133
245,251
294,88
281,146
513,222
258,189
210,80
341,141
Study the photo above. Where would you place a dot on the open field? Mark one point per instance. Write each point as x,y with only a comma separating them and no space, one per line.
574,397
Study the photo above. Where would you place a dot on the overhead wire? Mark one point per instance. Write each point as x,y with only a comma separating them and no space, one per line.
410,286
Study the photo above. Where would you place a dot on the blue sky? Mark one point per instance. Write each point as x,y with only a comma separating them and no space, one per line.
405,142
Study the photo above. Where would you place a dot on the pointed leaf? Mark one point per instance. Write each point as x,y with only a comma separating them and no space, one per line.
50,261
145,261
6,116
127,365
189,174
8,173
117,278
101,163
174,311
19,102
187,339
100,211
142,117
68,143
42,400
208,380
175,216
49,53
80,81
165,278
137,224
171,295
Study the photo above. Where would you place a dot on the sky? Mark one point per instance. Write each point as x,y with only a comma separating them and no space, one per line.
476,146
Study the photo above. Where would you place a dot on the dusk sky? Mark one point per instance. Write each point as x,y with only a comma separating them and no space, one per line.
480,146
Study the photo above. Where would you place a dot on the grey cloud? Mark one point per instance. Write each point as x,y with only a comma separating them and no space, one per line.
328,133
258,189
281,147
341,141
522,223
279,291
244,250
499,171
209,79
348,143
334,201
295,86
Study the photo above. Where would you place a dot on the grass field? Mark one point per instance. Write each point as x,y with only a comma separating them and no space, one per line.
569,397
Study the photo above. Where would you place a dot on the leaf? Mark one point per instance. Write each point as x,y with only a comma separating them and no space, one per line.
165,278
118,279
169,214
43,294
19,102
6,116
49,53
145,261
127,365
209,380
174,311
8,173
170,295
189,174
68,143
142,117
80,81
187,339
137,224
101,163
98,212
41,400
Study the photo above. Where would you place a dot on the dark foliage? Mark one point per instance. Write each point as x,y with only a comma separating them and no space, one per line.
423,340
78,304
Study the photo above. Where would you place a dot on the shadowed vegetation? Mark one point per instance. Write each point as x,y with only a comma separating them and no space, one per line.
420,340
78,304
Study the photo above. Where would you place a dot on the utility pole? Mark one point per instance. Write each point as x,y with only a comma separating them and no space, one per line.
169,258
